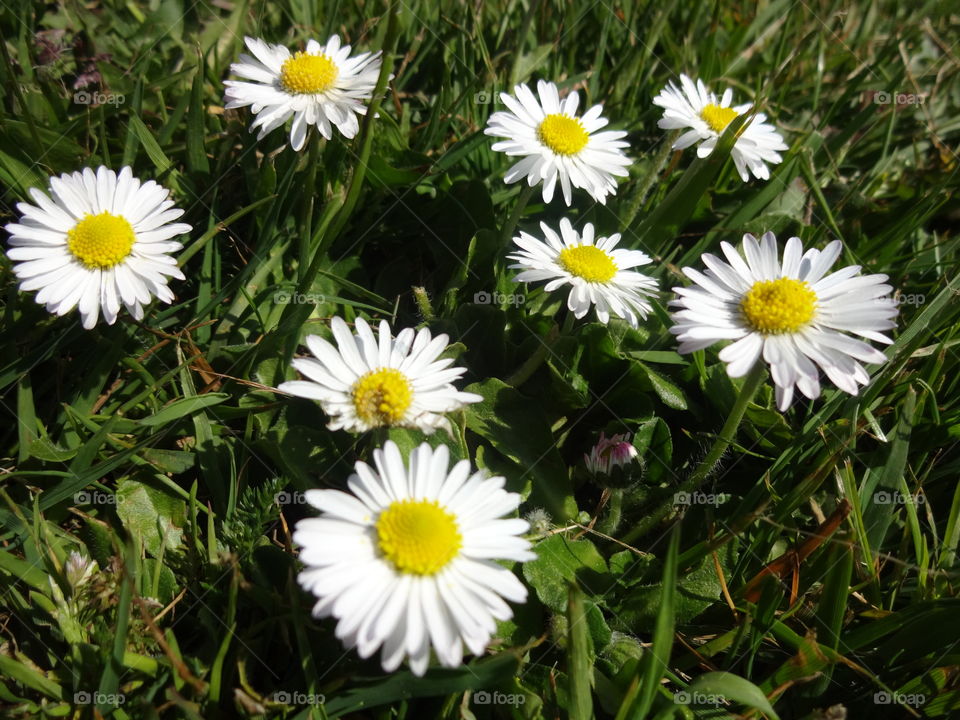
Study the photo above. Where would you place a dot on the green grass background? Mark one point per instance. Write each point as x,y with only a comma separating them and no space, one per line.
170,430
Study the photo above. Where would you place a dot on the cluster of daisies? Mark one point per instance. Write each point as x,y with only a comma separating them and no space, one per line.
409,560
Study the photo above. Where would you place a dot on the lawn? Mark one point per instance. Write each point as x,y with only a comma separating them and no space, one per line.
307,412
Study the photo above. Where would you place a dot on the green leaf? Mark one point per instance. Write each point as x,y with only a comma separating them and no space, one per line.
653,664
497,418
561,561
29,677
160,160
670,393
579,656
44,449
170,461
196,154
151,513
183,407
672,213
732,687
438,682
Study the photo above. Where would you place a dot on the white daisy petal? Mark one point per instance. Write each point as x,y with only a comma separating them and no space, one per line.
370,381
403,579
322,86
558,147
694,106
84,247
593,267
790,313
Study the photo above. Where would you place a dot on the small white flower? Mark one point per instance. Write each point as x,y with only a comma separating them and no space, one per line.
408,560
790,313
78,569
102,240
695,107
366,382
596,270
323,86
557,145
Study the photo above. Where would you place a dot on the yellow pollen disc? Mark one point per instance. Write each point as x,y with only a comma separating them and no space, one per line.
305,74
562,134
717,117
588,262
418,536
774,307
101,241
381,397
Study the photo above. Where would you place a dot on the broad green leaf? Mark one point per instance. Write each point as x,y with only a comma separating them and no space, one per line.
732,687
561,561
183,407
151,513
497,418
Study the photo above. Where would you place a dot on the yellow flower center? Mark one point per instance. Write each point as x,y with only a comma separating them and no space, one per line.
717,117
305,74
774,307
101,241
418,536
562,134
588,262
381,397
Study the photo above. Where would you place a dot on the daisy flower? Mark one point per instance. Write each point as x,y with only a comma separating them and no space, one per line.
98,240
408,560
791,313
596,270
558,145
609,453
697,108
366,382
323,86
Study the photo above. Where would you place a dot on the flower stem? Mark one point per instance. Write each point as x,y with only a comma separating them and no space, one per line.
306,218
532,363
511,224
727,435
